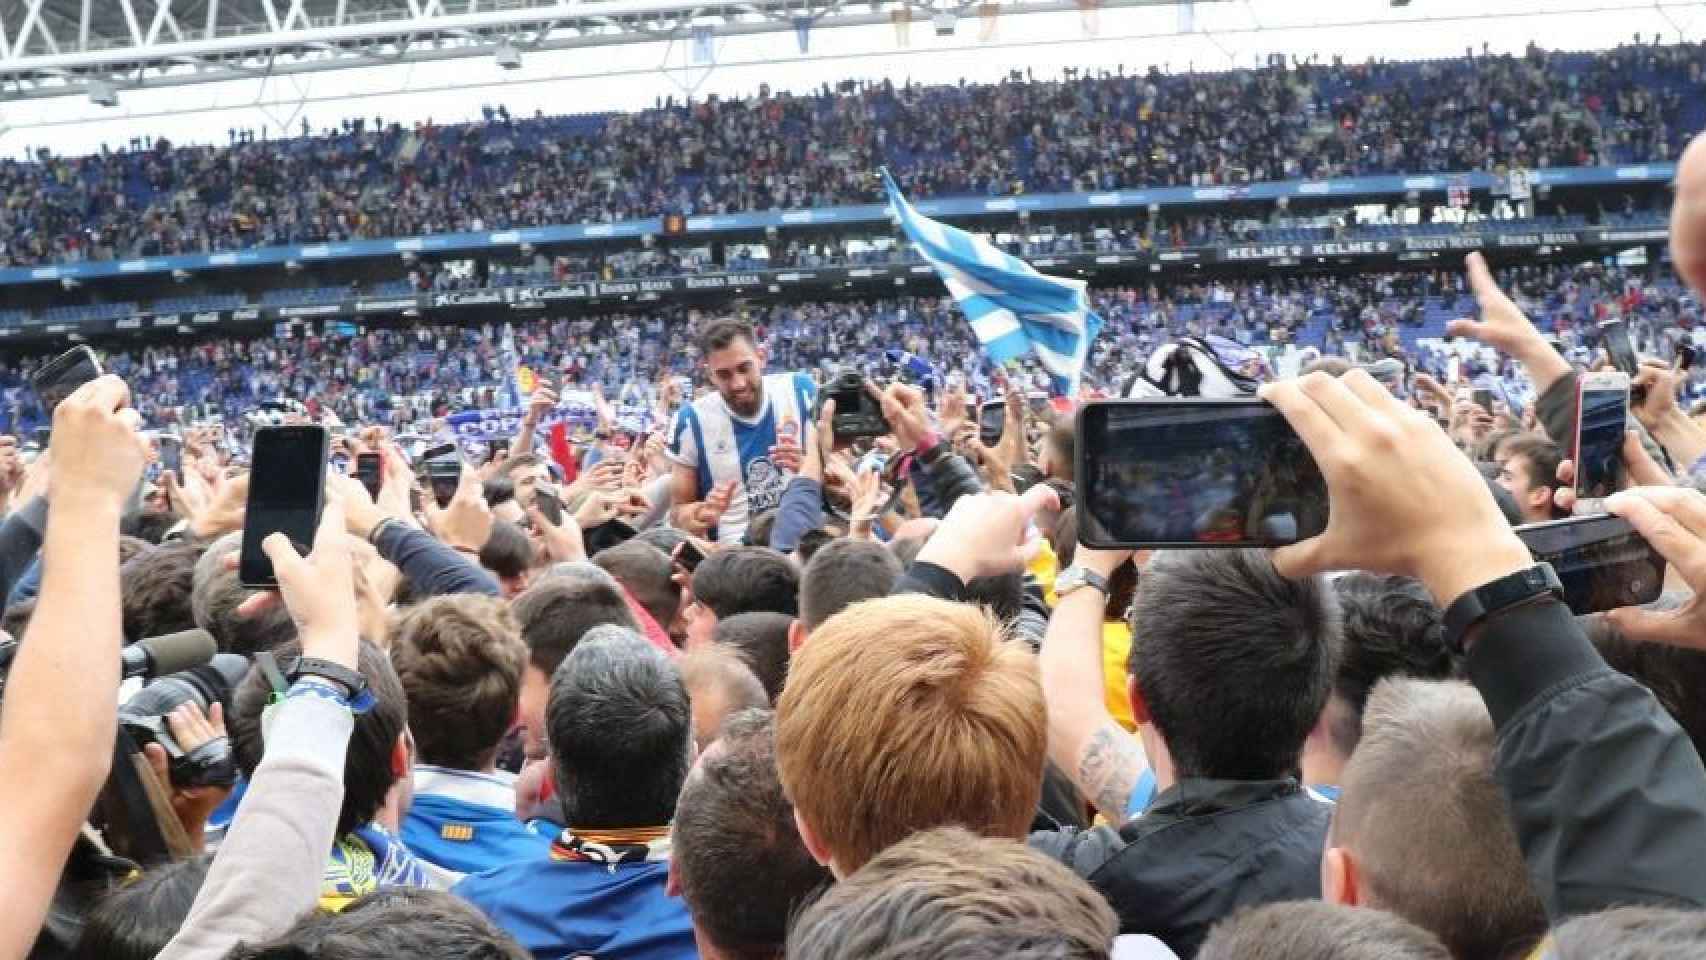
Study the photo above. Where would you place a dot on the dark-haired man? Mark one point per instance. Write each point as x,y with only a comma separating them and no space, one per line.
734,448
740,580
1391,628
460,660
553,615
1230,666
738,861
843,573
1529,473
621,737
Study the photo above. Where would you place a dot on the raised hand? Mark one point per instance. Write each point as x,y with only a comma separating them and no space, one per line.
1673,521
1402,498
466,523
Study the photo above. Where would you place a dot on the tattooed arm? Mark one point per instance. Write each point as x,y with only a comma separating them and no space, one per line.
1102,758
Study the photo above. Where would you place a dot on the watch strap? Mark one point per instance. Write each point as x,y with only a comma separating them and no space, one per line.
1492,598
1072,579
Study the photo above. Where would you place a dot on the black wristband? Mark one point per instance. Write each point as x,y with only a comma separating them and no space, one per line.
1491,599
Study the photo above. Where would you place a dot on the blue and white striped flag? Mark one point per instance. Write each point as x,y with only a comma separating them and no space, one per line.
1013,309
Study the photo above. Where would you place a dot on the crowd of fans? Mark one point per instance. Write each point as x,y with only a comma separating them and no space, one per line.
738,686
406,377
1091,130
602,699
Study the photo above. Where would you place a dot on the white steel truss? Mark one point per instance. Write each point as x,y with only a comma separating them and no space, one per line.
53,48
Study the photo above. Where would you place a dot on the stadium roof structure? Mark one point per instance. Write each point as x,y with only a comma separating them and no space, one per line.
53,48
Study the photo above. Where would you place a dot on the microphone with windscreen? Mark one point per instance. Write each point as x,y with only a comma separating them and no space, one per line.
169,653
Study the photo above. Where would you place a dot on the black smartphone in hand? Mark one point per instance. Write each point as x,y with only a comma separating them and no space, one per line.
368,471
1194,473
991,421
1601,561
287,489
688,556
61,376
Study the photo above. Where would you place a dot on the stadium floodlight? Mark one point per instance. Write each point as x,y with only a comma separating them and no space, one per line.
945,23
102,93
507,56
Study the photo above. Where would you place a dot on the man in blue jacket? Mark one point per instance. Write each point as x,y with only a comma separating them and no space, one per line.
620,732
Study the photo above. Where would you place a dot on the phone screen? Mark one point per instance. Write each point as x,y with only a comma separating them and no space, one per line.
1685,354
1194,473
444,474
287,487
62,375
367,470
1483,398
991,421
1601,561
171,453
1602,419
1618,347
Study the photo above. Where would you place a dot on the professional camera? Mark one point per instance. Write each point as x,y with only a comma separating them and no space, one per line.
857,413
144,719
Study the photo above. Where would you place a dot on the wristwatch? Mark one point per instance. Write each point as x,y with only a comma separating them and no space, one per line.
1073,579
358,693
1491,599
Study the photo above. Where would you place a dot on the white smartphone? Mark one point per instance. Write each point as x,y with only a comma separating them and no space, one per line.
1602,415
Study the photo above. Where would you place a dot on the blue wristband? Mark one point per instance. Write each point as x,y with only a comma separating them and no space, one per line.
325,690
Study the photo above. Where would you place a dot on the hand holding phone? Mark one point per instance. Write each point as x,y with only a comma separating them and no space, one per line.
62,375
287,490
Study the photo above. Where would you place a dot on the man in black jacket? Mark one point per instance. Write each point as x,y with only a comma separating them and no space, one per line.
1606,793
1230,667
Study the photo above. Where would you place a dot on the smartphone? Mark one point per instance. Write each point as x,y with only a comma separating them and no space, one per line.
287,488
171,449
42,436
1602,414
1685,355
550,505
368,470
444,475
1601,561
1618,347
1482,398
499,450
991,421
1040,405
688,556
62,375
1194,473
857,413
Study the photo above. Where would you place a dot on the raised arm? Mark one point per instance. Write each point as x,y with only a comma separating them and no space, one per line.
60,712
1607,795
1103,759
